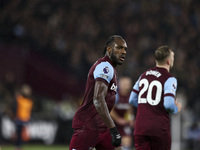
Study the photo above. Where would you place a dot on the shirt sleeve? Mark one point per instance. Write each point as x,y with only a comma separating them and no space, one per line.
169,104
104,70
133,99
170,87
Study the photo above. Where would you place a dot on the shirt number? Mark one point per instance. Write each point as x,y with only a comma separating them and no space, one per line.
149,89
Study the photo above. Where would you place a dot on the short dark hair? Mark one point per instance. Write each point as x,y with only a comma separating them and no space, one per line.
110,41
162,53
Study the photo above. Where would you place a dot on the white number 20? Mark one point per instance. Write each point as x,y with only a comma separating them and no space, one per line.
149,87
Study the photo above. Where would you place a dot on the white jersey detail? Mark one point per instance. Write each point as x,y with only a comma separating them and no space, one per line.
114,87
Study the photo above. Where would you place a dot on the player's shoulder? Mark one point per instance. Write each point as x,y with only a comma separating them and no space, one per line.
157,73
171,85
103,69
105,64
171,80
161,72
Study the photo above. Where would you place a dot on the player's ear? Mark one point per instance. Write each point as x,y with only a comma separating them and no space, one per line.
168,61
109,49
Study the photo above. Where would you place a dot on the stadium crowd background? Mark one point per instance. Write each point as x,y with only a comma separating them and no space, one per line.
71,34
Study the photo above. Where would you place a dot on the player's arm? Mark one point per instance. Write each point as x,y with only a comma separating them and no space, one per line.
133,99
171,104
100,92
103,74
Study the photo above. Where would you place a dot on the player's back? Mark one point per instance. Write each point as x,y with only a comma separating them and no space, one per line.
152,118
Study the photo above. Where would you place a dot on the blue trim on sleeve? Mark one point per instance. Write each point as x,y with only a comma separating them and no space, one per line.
133,99
136,86
170,86
104,70
169,104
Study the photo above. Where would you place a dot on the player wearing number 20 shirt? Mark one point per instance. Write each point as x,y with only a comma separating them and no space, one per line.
154,95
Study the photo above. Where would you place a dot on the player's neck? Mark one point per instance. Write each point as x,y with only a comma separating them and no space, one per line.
114,64
163,66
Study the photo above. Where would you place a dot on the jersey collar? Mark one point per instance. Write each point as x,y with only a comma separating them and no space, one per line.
108,59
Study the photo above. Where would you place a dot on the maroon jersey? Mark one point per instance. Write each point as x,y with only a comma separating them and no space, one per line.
87,116
152,118
122,105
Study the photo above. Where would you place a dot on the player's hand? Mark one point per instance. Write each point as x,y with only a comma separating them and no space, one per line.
116,137
179,105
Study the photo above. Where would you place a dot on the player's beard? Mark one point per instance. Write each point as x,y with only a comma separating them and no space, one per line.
115,60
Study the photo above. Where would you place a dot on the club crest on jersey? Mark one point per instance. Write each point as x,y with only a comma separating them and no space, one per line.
114,87
106,70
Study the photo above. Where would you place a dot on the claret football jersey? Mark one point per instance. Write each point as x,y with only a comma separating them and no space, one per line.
87,116
122,105
153,85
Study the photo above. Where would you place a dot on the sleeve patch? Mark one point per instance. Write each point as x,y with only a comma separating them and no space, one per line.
106,70
174,86
170,86
103,76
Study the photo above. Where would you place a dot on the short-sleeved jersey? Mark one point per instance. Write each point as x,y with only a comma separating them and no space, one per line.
87,116
153,85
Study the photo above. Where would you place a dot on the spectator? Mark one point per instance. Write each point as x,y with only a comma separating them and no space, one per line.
23,109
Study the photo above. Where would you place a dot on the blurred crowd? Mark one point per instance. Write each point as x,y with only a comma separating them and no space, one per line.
72,34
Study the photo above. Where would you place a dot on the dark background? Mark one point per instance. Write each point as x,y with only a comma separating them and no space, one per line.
51,44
